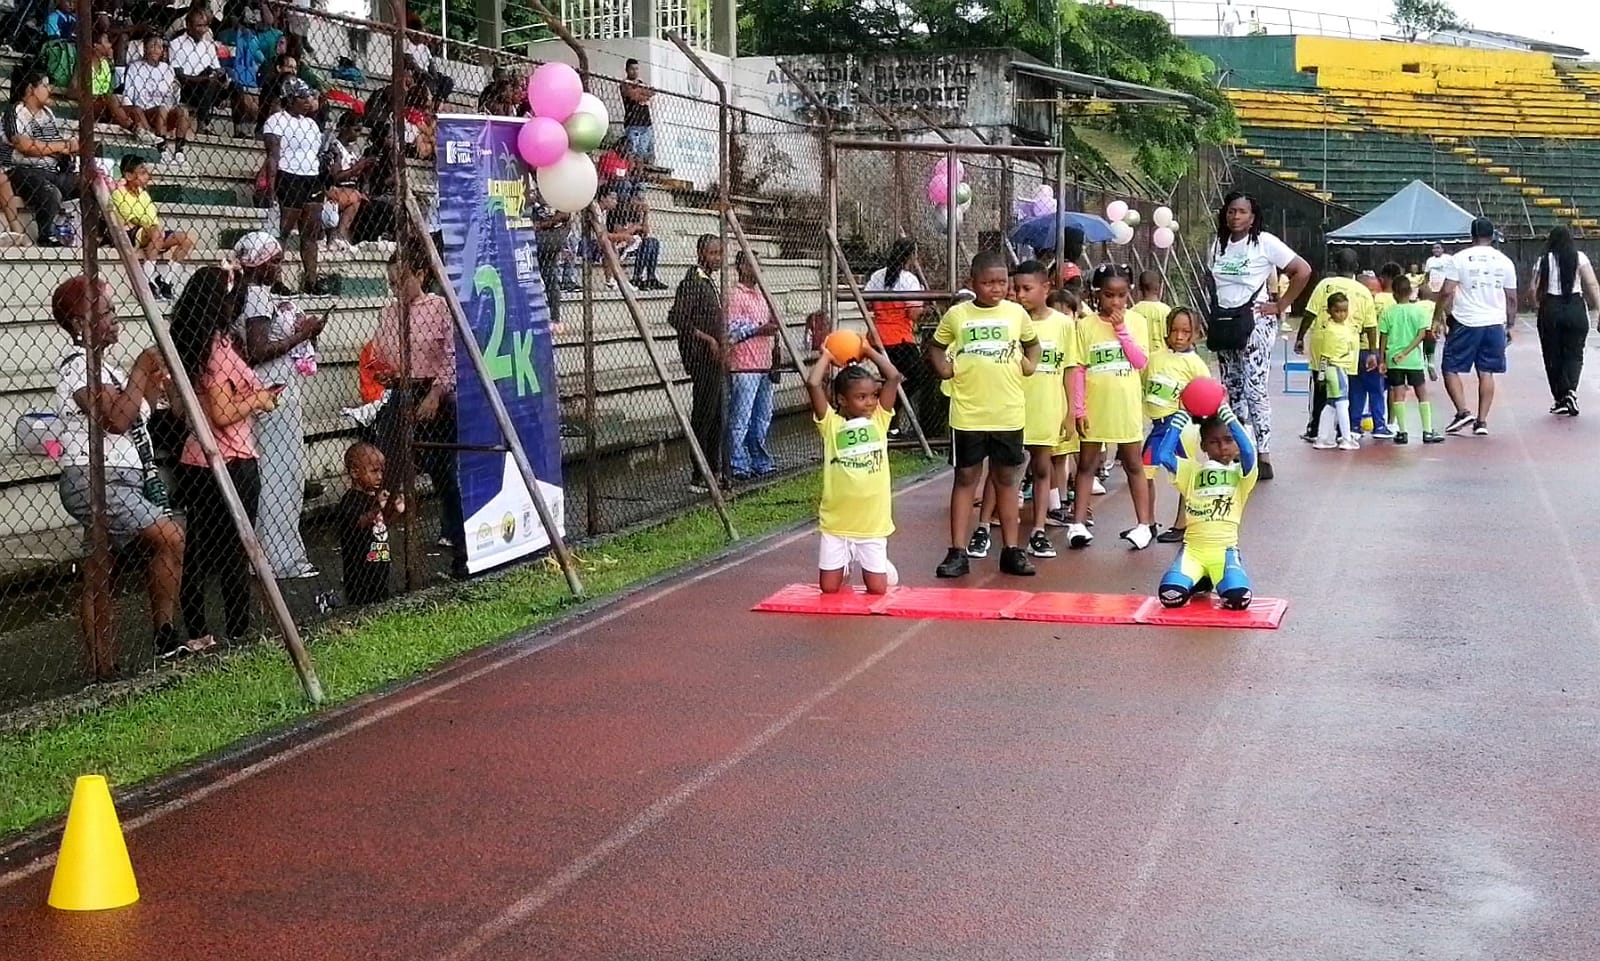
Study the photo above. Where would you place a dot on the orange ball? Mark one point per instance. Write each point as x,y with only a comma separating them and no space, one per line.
844,346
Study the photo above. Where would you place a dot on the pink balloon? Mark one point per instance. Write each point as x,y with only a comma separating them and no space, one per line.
541,142
941,169
1116,210
554,90
1161,238
938,188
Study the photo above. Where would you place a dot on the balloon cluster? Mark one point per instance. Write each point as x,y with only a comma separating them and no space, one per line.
1124,218
566,124
948,189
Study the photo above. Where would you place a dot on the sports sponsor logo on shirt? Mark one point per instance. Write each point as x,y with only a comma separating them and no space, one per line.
988,340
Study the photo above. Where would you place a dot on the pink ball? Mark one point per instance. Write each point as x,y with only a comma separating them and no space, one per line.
1203,397
541,142
554,91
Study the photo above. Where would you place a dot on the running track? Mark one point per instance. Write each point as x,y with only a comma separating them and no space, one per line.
1407,769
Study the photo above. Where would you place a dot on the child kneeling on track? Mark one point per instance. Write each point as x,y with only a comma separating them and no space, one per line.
1214,487
855,514
984,348
1167,375
1106,399
1334,360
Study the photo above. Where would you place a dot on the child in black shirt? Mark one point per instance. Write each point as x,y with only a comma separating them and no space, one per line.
364,513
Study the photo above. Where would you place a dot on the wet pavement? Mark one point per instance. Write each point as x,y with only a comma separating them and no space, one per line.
1405,769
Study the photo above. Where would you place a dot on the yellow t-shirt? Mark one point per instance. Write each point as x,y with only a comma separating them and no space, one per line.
1363,309
1382,300
135,209
1166,377
1046,389
1214,496
855,475
986,391
1155,314
1419,283
1114,390
1340,346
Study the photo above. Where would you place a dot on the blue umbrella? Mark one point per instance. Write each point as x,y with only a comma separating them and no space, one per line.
1040,232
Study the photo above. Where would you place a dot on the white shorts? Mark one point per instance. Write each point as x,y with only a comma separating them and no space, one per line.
871,554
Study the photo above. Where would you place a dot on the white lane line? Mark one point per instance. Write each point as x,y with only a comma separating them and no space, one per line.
524,908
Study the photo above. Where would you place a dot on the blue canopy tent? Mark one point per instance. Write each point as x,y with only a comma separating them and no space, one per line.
1418,214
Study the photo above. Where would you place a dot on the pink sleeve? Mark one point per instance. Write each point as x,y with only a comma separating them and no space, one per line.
1131,349
1080,382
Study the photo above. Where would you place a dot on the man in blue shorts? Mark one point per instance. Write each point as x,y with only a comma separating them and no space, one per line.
1475,312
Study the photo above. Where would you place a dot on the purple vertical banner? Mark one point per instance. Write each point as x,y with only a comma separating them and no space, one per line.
485,216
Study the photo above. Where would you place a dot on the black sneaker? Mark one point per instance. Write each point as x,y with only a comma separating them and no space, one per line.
978,545
1572,404
1462,420
1430,437
1060,517
1263,469
1014,561
1559,407
1039,545
1402,438
953,565
1480,428
1172,535
162,288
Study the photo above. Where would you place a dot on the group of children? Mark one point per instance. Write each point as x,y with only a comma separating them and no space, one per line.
1368,351
1051,384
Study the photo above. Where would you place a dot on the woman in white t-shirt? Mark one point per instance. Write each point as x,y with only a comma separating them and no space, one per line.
1242,260
293,173
135,497
1561,283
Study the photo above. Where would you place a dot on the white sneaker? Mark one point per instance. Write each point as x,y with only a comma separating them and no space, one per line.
893,574
1349,443
147,137
1320,444
1078,536
178,159
1098,488
12,238
1140,536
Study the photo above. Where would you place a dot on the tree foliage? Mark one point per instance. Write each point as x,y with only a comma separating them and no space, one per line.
1111,41
1415,17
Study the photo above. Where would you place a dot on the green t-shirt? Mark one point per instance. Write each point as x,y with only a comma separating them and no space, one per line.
1401,324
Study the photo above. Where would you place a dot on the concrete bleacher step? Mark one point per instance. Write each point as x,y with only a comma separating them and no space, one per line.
1528,191
1547,202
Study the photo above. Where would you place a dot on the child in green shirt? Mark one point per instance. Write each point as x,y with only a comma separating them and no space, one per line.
1402,329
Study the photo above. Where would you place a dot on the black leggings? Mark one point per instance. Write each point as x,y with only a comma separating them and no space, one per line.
1563,328
211,546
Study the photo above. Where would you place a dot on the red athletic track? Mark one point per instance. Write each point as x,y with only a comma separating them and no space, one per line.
1407,769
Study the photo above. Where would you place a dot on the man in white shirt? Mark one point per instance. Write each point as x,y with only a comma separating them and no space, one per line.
202,82
1478,304
1435,268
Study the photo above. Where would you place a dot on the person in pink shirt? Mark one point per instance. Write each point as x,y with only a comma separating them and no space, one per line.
230,396
752,367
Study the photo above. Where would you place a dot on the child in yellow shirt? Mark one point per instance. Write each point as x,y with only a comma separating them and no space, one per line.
1168,373
1107,403
1338,353
1045,391
985,348
158,248
1062,469
1154,312
855,516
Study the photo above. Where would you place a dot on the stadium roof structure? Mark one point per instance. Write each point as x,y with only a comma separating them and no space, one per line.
1107,89
1418,214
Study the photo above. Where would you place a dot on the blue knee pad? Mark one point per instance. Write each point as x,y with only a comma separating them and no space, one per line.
1234,587
1176,585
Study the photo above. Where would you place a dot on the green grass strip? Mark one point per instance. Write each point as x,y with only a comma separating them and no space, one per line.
149,733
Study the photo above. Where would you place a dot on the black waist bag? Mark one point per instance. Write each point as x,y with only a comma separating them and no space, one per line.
1229,328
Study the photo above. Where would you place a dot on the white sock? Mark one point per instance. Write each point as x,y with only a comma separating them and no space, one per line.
1055,499
1325,425
1342,408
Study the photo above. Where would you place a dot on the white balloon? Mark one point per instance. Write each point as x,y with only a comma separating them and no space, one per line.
1162,217
1173,226
570,183
1161,238
1121,233
1132,218
1116,210
589,103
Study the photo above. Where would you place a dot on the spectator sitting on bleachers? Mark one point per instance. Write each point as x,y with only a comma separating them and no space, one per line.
616,169
37,154
11,206
379,109
158,248
421,51
628,226
272,75
106,102
202,81
506,95
345,168
152,91
293,175
135,507
421,124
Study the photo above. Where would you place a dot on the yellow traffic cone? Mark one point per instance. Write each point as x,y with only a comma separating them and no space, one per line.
93,872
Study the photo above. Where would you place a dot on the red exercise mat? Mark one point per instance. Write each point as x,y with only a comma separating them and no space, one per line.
1264,614
807,599
953,603
1060,608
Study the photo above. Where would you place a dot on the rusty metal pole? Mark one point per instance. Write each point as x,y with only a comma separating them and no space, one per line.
830,189
952,237
404,393
99,632
268,582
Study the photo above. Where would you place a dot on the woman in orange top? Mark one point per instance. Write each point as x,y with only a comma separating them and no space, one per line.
897,322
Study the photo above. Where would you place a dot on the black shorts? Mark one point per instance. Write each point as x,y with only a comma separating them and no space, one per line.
1002,448
293,191
1406,378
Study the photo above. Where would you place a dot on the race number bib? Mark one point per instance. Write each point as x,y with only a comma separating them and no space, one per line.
987,339
1107,357
1050,358
1163,390
858,445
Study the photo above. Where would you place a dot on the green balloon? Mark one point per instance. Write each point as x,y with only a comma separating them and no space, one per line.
585,131
963,194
